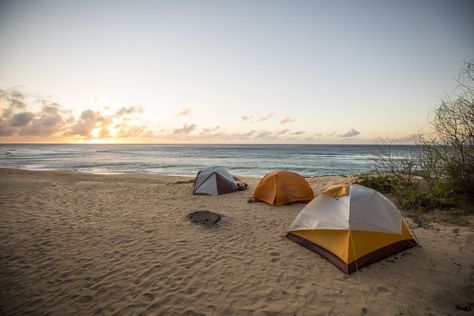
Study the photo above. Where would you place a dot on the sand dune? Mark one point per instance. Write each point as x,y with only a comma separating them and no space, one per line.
86,244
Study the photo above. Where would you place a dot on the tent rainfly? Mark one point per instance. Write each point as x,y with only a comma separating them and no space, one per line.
214,181
283,187
351,226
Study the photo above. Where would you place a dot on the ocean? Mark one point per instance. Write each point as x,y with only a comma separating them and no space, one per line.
244,160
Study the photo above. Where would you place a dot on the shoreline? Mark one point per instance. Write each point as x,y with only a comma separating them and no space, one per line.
157,174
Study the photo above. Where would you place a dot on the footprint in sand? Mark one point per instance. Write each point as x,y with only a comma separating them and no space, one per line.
84,299
382,289
274,254
149,296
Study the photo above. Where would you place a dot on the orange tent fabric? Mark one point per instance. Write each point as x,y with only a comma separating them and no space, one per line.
337,190
283,187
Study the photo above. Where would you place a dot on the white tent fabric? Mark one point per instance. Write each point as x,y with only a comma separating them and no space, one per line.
363,209
214,181
209,186
371,211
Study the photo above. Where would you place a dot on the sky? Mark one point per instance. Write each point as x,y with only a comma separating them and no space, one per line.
227,71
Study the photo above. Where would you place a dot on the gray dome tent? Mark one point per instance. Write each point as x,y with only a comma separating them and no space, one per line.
214,181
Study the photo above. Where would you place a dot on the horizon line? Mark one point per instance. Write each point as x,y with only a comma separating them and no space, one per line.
252,144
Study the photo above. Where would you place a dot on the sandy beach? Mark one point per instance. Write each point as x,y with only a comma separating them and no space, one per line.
85,244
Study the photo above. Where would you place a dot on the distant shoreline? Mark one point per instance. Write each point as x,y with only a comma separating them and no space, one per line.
138,173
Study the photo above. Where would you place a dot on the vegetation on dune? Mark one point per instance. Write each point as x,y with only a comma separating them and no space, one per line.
184,181
411,193
439,172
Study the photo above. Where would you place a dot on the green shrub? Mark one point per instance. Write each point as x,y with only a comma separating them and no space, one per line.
411,193
427,198
184,181
382,183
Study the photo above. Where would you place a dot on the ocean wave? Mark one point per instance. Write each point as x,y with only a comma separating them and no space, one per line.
246,160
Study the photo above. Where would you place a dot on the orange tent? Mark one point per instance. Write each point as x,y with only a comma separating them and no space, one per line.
352,226
283,187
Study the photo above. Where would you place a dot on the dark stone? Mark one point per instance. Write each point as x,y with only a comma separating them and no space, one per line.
206,218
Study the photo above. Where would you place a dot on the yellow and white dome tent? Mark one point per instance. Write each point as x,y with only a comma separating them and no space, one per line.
351,226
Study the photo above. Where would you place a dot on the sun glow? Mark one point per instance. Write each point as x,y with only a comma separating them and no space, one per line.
113,131
95,132
96,137
102,141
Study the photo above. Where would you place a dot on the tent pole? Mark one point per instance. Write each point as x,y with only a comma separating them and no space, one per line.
364,310
413,231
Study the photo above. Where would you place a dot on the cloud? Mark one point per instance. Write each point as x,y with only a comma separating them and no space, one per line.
117,125
409,138
215,133
251,119
283,131
21,119
11,101
25,117
228,136
264,134
286,120
88,121
129,110
210,132
333,133
318,134
211,129
48,122
266,117
184,112
248,134
298,133
186,129
53,120
284,134
350,133
17,94
6,130
247,118
15,121
125,130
